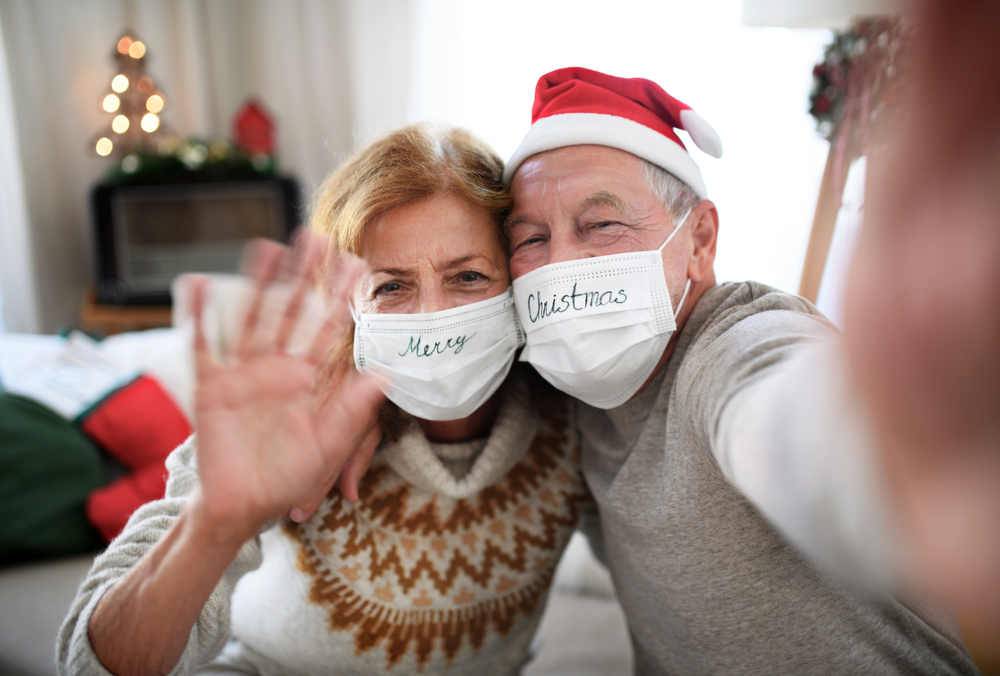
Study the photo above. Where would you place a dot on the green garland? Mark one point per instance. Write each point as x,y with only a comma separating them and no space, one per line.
872,45
182,160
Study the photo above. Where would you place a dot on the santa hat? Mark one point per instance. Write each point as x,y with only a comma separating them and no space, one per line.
577,106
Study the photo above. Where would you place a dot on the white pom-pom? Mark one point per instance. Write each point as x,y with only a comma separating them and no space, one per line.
701,133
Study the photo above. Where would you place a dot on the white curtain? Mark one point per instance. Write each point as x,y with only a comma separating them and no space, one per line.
17,276
332,72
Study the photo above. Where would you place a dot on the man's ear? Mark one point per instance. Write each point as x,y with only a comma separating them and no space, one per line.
704,235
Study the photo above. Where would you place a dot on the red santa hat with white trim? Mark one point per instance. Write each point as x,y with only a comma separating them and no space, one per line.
577,106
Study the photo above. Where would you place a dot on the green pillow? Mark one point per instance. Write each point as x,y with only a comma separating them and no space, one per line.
47,467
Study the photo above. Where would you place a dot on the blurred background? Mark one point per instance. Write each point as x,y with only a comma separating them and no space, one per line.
246,105
332,74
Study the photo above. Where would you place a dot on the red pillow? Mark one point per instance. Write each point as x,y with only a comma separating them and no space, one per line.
138,425
109,507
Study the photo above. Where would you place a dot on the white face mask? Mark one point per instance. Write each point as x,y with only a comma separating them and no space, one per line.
597,327
442,365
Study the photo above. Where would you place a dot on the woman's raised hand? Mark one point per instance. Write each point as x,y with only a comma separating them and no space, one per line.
270,439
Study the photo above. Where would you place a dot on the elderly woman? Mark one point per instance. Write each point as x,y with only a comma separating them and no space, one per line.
441,562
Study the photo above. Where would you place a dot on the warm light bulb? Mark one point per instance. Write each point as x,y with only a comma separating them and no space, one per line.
154,103
104,146
120,83
120,124
111,103
150,122
130,164
145,85
124,44
137,50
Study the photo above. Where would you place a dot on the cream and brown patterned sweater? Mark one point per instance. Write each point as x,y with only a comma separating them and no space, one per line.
442,567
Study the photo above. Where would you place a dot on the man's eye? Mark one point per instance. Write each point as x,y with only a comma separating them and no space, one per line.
605,224
529,241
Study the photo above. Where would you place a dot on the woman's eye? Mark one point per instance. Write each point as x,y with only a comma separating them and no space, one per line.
471,277
605,224
388,287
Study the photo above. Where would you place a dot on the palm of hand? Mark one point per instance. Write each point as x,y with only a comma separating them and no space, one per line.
261,445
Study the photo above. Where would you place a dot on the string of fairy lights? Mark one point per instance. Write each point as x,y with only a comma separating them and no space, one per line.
135,102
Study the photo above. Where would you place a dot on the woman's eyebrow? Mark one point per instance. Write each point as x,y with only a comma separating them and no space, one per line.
395,272
462,260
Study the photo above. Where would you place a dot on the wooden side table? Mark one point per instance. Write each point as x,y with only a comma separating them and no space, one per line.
110,319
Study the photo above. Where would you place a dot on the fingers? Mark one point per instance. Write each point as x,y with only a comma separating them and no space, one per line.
270,324
351,473
305,511
309,253
345,419
358,464
348,270
202,358
349,477
266,258
360,394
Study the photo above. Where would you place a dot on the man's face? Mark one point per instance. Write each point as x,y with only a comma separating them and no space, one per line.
584,201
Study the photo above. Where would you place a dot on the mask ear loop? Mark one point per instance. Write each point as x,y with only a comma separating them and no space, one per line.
355,315
687,286
680,224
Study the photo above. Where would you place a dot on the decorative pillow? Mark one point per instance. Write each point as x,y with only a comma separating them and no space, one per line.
47,468
109,507
138,425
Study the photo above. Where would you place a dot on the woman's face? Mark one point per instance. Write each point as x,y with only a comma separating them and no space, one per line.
431,255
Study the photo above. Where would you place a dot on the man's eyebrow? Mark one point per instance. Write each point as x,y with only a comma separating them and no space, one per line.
513,221
607,199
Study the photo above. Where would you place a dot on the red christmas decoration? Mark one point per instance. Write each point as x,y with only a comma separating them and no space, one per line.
253,129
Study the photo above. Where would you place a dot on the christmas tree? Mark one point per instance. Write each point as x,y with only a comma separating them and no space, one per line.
134,102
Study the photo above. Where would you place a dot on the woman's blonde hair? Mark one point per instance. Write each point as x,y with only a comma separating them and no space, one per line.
408,165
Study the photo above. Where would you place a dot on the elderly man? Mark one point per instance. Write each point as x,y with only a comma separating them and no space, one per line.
702,405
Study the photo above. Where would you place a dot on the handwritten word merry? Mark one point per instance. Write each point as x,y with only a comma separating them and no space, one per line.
426,349
540,309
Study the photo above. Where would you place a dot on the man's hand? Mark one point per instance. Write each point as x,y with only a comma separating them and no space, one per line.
923,309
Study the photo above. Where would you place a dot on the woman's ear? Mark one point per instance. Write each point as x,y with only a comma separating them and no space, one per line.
704,236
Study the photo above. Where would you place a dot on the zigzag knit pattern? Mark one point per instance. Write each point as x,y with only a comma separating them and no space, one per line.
409,570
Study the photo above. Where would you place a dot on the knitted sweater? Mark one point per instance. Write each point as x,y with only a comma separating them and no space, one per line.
426,573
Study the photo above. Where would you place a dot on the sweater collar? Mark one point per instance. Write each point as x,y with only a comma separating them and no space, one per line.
413,458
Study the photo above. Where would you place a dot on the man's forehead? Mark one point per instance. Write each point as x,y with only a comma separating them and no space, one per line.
587,176
590,160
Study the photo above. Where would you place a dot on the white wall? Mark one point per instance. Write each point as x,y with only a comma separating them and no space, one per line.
476,64
337,72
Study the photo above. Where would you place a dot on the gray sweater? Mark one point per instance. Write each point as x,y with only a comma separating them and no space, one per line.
707,584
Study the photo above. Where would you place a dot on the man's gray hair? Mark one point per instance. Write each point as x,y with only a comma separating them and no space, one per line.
674,194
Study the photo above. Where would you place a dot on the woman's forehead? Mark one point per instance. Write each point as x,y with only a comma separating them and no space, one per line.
442,229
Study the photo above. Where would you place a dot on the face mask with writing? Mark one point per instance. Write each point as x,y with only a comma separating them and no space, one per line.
597,327
442,365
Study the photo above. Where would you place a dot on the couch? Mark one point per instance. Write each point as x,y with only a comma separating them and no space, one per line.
583,630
